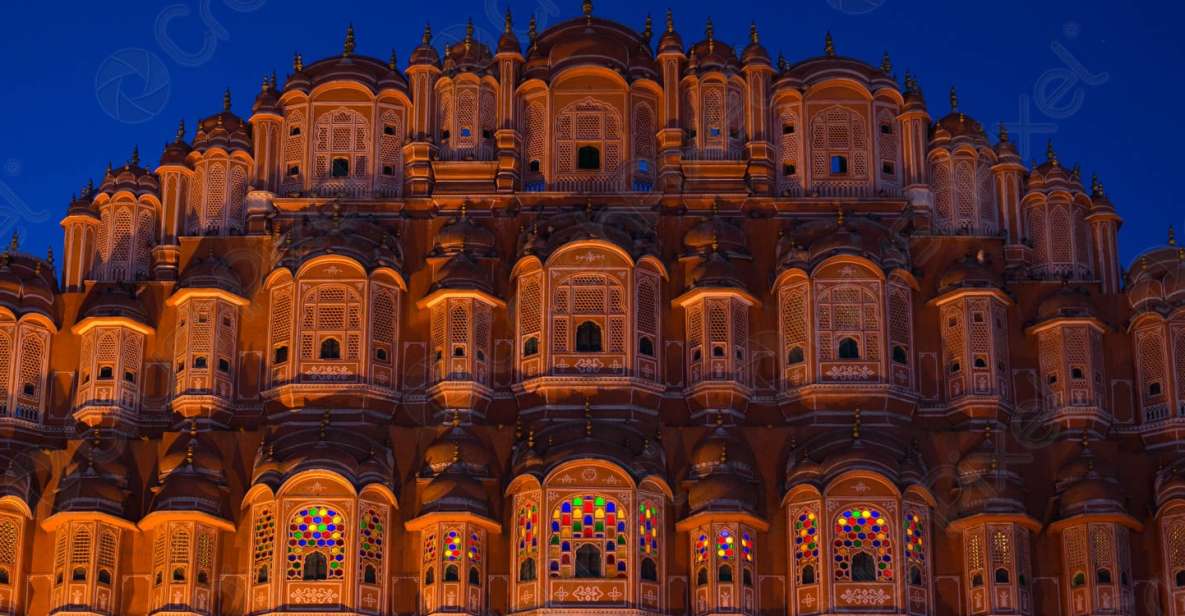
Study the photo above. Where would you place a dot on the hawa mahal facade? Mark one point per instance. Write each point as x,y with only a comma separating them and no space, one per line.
598,320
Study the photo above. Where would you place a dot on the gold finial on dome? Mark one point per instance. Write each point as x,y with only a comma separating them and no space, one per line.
648,29
426,39
670,22
469,34
587,9
710,34
507,22
724,453
1172,236
297,62
856,425
15,243
1003,133
1094,185
49,256
456,453
348,46
829,45
839,220
531,438
532,34
753,37
181,130
1051,154
886,63
1076,172
393,62
954,99
226,100
782,63
135,159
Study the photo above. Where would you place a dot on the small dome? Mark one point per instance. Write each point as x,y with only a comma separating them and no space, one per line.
453,490
972,272
716,231
723,447
468,55
211,272
27,283
457,445
462,272
715,272
131,178
114,300
177,152
425,53
223,130
463,234
1066,302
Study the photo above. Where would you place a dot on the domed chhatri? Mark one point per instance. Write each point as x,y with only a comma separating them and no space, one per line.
591,317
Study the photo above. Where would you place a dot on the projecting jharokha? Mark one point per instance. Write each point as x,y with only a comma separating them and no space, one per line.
592,323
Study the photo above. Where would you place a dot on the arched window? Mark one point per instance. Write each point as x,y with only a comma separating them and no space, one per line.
795,356
899,355
724,574
4,576
526,570
531,347
977,580
863,568
588,338
1179,579
331,349
317,539
178,575
369,576
588,158
203,578
588,561
646,346
701,577
104,577
261,577
808,575
746,577
649,570
79,575
452,574
849,348
430,577
1001,576
915,576
474,576
1079,580
1103,576
315,567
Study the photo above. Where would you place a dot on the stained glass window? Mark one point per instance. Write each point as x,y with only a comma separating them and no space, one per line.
915,542
701,548
370,540
648,529
430,548
724,545
528,522
806,544
587,519
265,533
746,547
474,547
316,529
452,545
862,530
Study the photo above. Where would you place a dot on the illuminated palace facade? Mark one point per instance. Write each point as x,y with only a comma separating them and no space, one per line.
595,322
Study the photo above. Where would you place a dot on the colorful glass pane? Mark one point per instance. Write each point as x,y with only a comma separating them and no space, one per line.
528,521
915,539
701,548
317,529
746,547
474,547
862,529
806,539
452,545
586,519
724,544
647,529
370,536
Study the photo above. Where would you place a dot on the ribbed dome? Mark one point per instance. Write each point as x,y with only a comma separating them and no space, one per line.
114,300
716,231
94,480
971,272
131,178
464,234
715,272
462,272
211,272
723,469
1066,302
27,284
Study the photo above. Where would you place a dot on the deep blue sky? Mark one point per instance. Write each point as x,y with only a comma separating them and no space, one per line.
1105,76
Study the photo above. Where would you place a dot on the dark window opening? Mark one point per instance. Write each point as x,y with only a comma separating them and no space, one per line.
293,171
646,346
105,373
452,574
1179,579
531,347
1079,580
178,575
261,576
717,351
915,576
952,322
223,366
849,349
533,166
331,349
481,356
789,169
863,569
1052,379
203,578
380,354
980,361
388,129
808,575
200,362
1001,576
474,577
1103,576
129,376
526,570
955,367
899,355
701,577
388,170
733,133
886,129
487,133
315,567
79,575
458,351
977,579
746,577
588,562
30,389
104,577
294,131
280,355
588,158
888,168
445,134
588,338
691,133
1154,389
696,355
795,356
340,168
430,577
158,579
649,570
839,165
724,574
788,129
1076,374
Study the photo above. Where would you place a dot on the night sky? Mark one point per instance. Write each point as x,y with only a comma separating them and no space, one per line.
84,82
